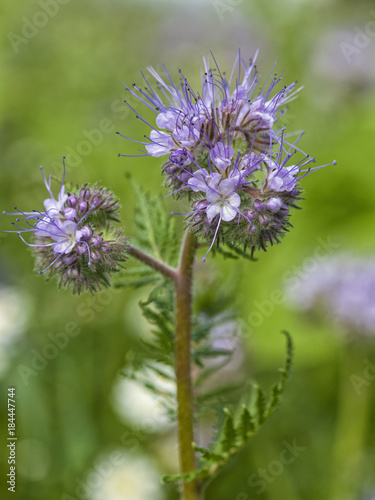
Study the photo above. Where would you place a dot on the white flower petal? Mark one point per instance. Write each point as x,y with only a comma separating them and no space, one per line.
228,212
212,195
167,120
213,210
234,200
227,186
162,144
63,247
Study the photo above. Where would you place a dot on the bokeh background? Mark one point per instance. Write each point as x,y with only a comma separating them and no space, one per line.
61,93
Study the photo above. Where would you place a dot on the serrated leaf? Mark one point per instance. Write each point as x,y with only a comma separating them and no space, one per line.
260,405
208,454
155,229
235,434
229,434
278,388
247,425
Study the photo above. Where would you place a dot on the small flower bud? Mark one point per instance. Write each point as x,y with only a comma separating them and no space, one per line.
81,249
263,220
86,232
95,240
106,248
250,214
171,169
201,205
274,204
85,194
184,176
83,206
94,256
70,259
72,201
258,205
284,211
70,213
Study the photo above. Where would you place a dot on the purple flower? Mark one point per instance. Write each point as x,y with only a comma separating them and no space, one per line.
180,157
283,178
223,201
65,244
200,180
224,153
52,205
343,286
161,143
274,204
168,119
221,155
195,119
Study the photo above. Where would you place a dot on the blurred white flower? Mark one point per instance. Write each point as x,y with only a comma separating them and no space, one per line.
13,314
122,476
143,407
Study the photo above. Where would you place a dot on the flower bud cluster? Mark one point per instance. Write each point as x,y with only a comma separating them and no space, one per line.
74,237
225,154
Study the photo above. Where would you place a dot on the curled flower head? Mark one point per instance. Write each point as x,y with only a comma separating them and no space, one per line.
200,122
225,153
74,236
341,287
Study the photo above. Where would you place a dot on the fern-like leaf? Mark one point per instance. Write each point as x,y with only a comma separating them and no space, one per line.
236,432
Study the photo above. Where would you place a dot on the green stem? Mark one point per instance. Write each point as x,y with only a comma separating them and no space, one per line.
183,289
182,277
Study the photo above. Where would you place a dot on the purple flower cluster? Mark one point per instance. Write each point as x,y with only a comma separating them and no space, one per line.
344,288
74,236
224,152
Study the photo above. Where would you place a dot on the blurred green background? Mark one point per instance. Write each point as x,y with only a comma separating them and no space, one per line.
61,75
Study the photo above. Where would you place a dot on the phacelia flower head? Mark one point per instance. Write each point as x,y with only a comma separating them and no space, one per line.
224,152
195,121
74,237
343,288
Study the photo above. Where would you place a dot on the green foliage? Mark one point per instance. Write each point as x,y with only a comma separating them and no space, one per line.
155,229
158,310
240,426
155,233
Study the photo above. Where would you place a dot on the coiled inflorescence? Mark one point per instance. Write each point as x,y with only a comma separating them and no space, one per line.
342,287
224,152
74,237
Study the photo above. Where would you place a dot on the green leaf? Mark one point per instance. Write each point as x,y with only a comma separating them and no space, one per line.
208,454
278,388
247,425
235,433
229,434
260,404
155,229
155,233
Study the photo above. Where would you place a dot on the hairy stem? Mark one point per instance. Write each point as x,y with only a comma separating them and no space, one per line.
150,261
183,289
182,277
